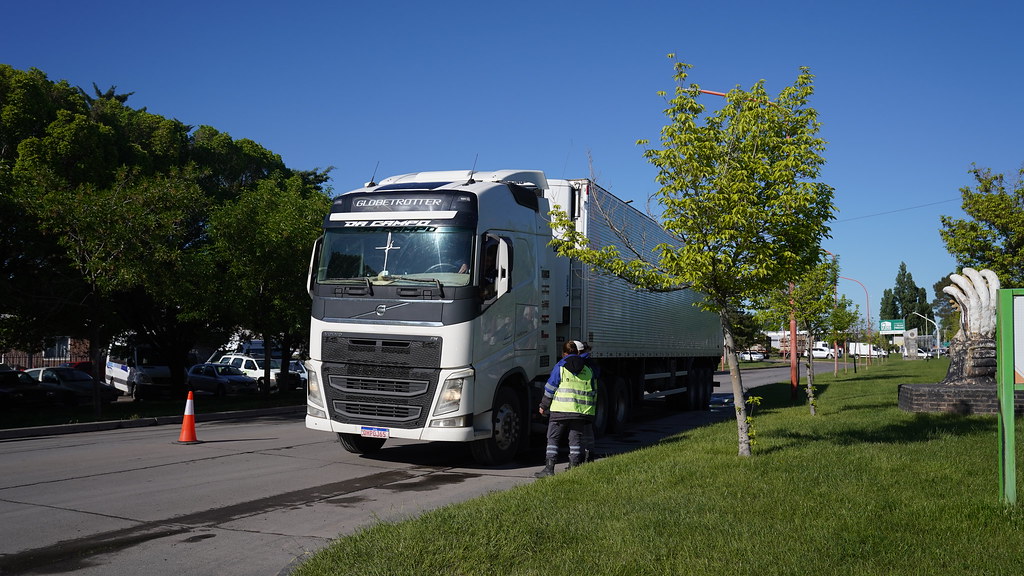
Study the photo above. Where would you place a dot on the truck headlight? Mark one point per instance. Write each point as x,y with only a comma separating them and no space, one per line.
452,391
313,393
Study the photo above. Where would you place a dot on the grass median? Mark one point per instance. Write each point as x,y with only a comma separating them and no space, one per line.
861,488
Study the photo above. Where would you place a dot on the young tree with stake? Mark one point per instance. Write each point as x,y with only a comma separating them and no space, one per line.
739,191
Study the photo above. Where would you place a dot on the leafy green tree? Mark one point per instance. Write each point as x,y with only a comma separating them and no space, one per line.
262,241
908,301
812,300
748,330
111,206
888,308
992,235
947,315
739,191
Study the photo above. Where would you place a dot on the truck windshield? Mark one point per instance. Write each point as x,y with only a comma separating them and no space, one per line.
397,255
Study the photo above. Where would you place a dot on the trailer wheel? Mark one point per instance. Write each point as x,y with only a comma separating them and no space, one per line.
507,423
618,405
357,444
604,410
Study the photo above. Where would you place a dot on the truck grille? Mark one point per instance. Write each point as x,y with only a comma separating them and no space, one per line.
381,386
380,382
377,412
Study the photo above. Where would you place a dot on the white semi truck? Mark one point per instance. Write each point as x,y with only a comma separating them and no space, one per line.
439,310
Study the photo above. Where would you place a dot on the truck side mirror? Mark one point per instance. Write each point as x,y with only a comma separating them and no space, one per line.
314,265
504,279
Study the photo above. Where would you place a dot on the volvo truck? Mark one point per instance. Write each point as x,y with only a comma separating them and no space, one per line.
439,309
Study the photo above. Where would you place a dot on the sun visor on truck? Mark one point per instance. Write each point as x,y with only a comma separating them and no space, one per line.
398,208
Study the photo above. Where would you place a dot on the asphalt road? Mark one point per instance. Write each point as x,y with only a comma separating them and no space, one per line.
255,496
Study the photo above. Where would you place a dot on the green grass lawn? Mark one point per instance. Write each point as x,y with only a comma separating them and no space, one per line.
861,488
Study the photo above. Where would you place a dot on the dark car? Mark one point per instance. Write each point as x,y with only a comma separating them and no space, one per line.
84,366
69,380
220,379
19,390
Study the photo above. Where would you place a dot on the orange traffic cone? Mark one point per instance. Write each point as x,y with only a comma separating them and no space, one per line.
188,424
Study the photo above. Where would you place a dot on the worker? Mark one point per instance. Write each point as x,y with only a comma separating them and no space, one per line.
570,402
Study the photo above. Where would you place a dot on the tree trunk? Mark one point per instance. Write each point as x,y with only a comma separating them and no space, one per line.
740,402
810,384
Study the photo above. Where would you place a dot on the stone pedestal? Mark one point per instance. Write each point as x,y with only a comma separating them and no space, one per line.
956,399
969,387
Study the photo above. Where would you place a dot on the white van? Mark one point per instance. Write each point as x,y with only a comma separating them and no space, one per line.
138,370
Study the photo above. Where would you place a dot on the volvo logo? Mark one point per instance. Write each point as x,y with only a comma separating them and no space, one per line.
381,309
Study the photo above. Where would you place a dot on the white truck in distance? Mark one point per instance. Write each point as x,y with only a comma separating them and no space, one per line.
862,349
439,310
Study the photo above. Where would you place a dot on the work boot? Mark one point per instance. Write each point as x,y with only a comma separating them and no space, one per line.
549,469
574,462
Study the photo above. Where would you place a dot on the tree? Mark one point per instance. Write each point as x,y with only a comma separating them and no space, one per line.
262,241
888,309
947,315
907,301
811,299
739,192
111,206
993,234
748,331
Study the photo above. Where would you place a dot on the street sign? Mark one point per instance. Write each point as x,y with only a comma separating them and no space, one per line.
898,325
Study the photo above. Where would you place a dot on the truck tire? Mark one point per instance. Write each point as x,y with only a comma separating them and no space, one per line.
507,420
357,444
619,405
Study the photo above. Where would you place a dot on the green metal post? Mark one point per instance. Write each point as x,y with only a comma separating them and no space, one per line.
1005,385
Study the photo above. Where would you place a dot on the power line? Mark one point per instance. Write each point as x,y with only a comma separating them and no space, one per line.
897,210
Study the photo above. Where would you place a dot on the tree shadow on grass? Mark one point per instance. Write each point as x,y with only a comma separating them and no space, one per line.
919,427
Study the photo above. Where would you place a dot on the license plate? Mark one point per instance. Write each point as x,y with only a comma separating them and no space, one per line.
371,432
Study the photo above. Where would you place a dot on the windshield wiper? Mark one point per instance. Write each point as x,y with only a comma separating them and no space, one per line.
434,281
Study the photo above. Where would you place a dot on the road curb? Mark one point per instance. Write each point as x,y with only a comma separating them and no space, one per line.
37,431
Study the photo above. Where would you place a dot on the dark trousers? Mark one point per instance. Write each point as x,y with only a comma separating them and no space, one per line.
577,429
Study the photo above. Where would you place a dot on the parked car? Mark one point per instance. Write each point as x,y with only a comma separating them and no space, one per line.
220,379
84,366
69,380
296,376
750,356
19,390
920,353
252,367
821,352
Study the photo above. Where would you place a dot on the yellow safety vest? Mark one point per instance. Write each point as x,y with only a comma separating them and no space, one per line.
576,393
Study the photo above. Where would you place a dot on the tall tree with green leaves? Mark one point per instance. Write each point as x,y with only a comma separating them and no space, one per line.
262,242
947,315
992,235
111,206
907,301
739,191
748,331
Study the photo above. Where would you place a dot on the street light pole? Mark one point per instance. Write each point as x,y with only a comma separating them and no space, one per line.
867,308
933,324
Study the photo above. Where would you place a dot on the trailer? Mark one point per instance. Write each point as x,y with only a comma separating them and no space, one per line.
439,310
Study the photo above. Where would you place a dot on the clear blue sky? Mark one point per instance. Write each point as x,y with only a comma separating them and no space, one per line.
910,94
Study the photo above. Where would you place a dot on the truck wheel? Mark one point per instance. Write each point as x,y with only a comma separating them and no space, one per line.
603,411
618,405
357,444
507,422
